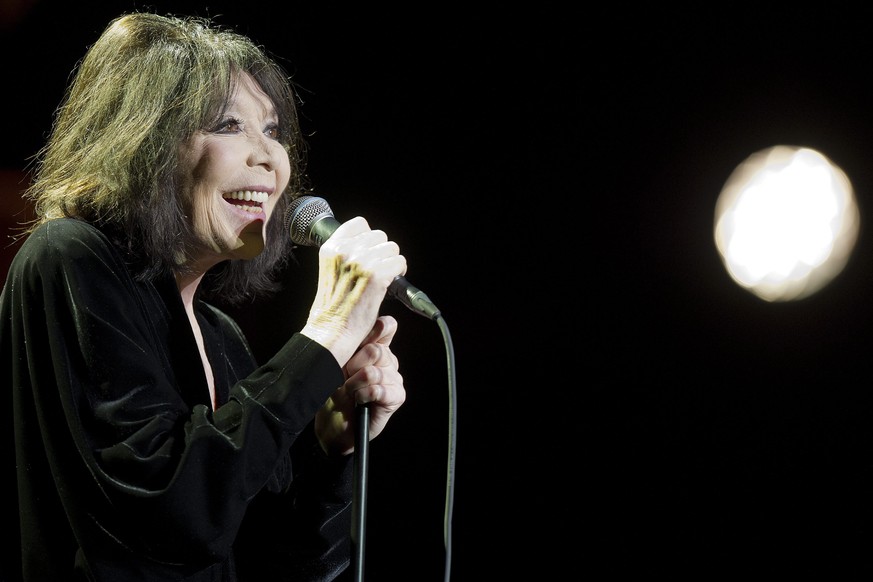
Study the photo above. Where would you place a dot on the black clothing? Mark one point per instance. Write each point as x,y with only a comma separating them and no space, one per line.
115,465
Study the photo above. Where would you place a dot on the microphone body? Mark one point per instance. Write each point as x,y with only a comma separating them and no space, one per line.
310,221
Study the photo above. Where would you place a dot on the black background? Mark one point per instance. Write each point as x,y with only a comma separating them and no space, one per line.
624,410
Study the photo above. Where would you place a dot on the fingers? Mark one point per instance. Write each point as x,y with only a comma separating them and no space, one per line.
373,375
377,384
373,354
370,249
383,330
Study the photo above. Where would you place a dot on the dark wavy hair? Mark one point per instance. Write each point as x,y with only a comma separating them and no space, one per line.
142,89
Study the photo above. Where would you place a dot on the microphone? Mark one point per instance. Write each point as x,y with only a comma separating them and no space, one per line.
310,222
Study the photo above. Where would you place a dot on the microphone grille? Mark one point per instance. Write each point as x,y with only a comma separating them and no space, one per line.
302,213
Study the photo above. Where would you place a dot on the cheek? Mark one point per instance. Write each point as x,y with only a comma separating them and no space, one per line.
202,170
209,170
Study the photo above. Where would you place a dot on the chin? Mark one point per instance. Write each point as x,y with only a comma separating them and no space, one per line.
249,246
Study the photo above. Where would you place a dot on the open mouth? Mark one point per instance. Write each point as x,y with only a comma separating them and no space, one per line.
247,200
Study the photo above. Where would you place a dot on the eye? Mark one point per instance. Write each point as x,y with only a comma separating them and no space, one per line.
272,131
228,125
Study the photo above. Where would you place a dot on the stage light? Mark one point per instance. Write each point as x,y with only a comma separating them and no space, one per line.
786,222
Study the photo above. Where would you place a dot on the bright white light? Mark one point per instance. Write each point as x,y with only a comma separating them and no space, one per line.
786,222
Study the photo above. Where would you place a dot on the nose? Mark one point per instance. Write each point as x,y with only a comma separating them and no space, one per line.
262,151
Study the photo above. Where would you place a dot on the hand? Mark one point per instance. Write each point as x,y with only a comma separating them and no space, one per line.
356,266
372,376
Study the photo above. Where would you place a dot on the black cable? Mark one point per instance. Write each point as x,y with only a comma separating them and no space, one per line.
453,438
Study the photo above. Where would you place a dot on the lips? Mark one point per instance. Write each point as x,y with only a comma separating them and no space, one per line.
248,200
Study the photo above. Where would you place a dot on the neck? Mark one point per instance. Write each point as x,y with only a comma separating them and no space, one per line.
187,284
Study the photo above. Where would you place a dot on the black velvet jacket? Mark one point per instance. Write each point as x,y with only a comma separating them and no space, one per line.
116,468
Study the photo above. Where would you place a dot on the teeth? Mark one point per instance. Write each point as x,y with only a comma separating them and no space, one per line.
248,196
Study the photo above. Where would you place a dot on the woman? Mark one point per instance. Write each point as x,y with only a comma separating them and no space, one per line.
144,442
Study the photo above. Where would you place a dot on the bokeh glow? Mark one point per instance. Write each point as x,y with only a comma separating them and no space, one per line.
786,223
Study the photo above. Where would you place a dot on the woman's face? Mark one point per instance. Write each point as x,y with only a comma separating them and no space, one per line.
234,173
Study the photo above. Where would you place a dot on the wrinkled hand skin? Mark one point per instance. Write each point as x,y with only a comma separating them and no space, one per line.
373,378
356,265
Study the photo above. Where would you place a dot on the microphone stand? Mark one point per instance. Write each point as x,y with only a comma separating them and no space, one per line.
359,500
416,300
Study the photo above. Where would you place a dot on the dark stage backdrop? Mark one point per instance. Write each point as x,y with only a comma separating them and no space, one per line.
624,410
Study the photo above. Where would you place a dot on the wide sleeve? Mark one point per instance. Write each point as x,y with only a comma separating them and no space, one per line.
141,466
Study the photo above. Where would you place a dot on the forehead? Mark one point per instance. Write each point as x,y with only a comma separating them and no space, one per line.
248,94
